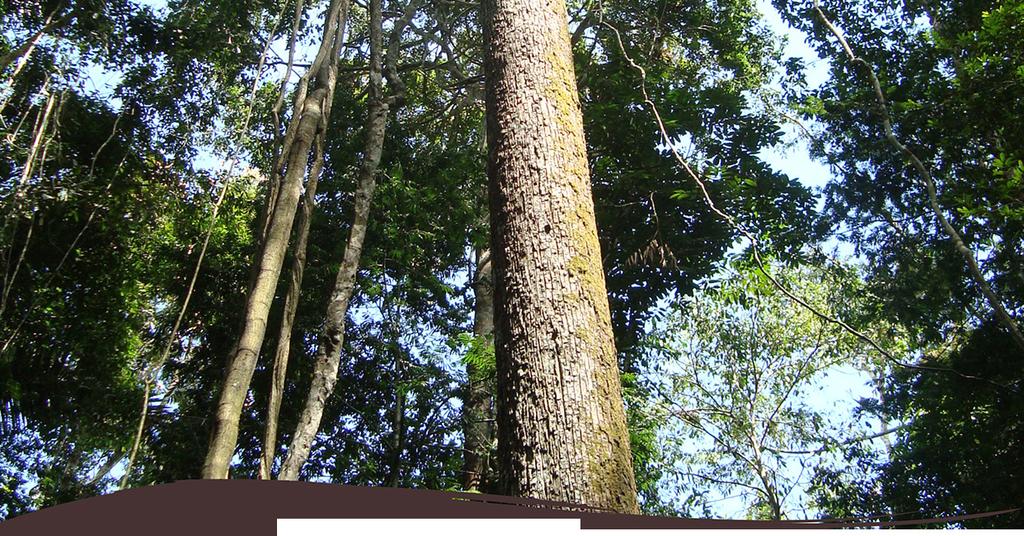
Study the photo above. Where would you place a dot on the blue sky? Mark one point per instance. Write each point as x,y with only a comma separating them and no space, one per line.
795,160
836,395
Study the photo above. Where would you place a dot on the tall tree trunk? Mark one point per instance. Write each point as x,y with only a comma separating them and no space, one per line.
397,440
291,306
281,143
328,359
309,114
477,429
291,303
561,419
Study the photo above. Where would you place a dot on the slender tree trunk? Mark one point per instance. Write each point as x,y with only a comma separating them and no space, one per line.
397,442
769,490
879,382
291,303
243,362
477,429
22,51
328,359
137,441
274,182
108,466
561,419
10,276
309,115
329,352
38,143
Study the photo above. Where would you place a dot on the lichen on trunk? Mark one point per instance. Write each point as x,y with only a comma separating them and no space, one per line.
562,431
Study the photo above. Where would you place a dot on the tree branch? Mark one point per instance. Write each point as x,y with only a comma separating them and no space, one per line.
926,178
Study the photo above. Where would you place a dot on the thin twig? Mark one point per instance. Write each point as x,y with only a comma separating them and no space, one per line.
754,242
150,372
926,178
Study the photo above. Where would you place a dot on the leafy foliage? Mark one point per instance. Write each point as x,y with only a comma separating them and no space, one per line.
738,365
122,123
950,71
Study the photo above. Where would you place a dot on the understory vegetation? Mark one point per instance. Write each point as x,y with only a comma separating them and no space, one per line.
253,239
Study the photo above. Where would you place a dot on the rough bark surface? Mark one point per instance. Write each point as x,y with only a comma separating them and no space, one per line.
478,431
562,431
261,294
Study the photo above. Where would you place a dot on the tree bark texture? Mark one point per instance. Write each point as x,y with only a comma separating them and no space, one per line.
291,306
562,431
328,359
309,114
291,303
477,429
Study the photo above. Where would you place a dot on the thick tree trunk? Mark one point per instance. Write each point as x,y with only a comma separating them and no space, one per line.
561,419
325,373
310,113
478,432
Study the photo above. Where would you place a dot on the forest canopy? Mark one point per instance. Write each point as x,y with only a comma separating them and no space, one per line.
746,259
